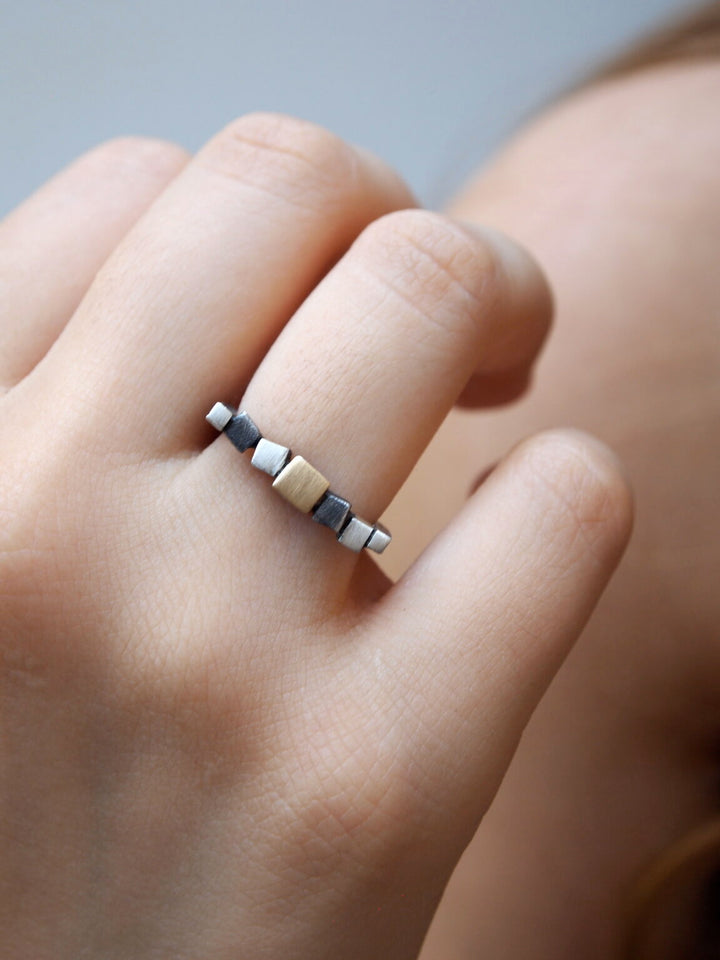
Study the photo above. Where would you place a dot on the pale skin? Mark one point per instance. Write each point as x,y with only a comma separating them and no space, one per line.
617,191
224,736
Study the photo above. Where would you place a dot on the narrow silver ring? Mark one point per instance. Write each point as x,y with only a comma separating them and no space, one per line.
299,482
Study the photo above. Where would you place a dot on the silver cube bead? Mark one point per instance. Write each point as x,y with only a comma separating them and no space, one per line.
270,457
379,538
355,534
220,416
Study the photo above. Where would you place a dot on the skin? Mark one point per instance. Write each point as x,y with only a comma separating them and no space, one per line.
222,734
617,192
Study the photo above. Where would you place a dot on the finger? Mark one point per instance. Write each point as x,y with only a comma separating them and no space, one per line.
508,375
470,637
52,246
370,365
184,310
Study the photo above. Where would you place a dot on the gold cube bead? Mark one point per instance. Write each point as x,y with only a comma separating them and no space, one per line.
301,484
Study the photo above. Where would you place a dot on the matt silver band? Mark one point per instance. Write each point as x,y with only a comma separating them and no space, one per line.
299,482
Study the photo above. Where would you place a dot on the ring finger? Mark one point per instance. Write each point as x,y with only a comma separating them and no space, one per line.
364,373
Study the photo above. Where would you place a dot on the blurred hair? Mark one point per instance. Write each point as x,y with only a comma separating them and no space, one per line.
691,37
673,908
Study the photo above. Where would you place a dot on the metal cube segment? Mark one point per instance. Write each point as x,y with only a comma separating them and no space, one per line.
355,534
242,432
220,416
270,457
332,511
301,484
379,538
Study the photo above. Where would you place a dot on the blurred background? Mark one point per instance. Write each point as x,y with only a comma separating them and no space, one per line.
431,85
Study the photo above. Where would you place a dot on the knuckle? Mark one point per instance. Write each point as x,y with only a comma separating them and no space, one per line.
125,157
429,259
284,155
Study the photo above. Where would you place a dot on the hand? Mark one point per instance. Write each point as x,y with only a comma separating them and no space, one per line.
223,734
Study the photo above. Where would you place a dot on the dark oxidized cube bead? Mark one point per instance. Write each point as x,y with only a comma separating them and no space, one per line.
242,432
332,511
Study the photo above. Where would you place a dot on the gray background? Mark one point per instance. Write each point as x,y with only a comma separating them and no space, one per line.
432,85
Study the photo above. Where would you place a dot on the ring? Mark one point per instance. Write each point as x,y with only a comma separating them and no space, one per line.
299,482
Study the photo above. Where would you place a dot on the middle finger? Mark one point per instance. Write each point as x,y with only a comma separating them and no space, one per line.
200,288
